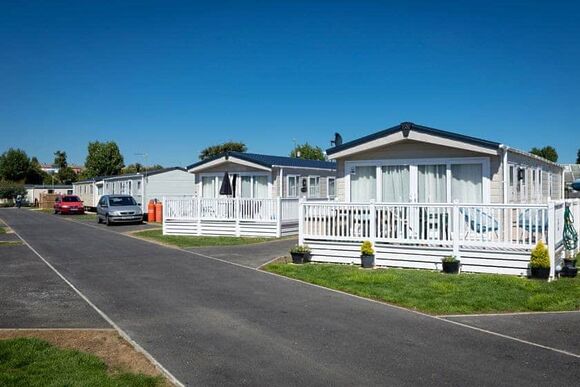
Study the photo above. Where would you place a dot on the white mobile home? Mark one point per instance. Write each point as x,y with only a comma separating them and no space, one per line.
419,193
33,192
259,197
89,190
151,185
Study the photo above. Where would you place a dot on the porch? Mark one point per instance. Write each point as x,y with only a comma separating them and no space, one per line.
230,216
487,238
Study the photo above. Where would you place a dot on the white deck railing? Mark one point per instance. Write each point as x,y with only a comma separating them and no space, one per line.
457,225
236,216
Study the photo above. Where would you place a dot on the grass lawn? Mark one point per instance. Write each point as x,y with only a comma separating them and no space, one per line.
2,230
438,293
34,362
196,241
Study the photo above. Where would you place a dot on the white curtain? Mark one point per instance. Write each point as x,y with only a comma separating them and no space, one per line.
363,186
395,183
246,188
260,187
467,183
208,186
432,183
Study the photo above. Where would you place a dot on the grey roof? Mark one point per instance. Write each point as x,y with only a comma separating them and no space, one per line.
271,161
148,173
91,179
406,127
47,186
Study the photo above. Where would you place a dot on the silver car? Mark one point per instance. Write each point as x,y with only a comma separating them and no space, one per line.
118,209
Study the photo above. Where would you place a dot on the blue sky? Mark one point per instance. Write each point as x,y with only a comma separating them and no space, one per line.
169,78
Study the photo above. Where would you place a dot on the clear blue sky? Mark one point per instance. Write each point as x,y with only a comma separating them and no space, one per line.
169,78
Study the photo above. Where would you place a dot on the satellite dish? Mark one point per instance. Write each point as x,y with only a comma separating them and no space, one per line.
337,140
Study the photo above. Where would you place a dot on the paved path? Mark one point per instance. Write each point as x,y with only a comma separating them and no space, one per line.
253,255
34,296
214,323
560,330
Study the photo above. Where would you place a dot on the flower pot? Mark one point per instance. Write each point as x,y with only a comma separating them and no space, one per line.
367,261
451,267
299,258
540,272
569,269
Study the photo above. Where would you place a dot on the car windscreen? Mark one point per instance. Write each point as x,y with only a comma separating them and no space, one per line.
122,201
70,199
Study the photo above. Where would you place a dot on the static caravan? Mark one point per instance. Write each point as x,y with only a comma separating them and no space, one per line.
33,192
89,190
259,176
246,194
151,185
420,194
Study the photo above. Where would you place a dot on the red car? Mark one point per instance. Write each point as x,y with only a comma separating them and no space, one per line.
68,204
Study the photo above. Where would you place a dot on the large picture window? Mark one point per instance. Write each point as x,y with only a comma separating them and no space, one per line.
247,186
419,180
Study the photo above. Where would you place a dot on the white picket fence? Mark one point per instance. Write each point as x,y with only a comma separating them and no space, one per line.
230,216
493,238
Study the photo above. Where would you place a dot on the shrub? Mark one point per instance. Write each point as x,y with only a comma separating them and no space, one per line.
540,257
367,248
449,259
300,249
9,190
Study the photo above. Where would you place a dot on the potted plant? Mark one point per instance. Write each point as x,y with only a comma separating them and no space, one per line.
450,264
300,254
540,261
570,269
367,255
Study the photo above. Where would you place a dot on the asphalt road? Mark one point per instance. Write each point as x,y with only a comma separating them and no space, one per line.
210,322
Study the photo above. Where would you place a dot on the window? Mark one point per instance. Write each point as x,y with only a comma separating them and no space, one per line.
313,186
331,187
246,189
138,186
432,183
420,180
292,187
208,189
395,183
466,183
363,186
260,187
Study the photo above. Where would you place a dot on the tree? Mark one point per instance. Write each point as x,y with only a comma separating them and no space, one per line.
35,174
11,190
578,157
14,165
103,159
60,159
214,150
547,152
138,168
66,175
307,151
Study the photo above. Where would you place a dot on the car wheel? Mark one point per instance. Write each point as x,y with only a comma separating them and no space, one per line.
107,221
55,212
99,221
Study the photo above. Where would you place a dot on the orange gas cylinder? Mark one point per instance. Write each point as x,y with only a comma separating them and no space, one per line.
159,212
151,211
